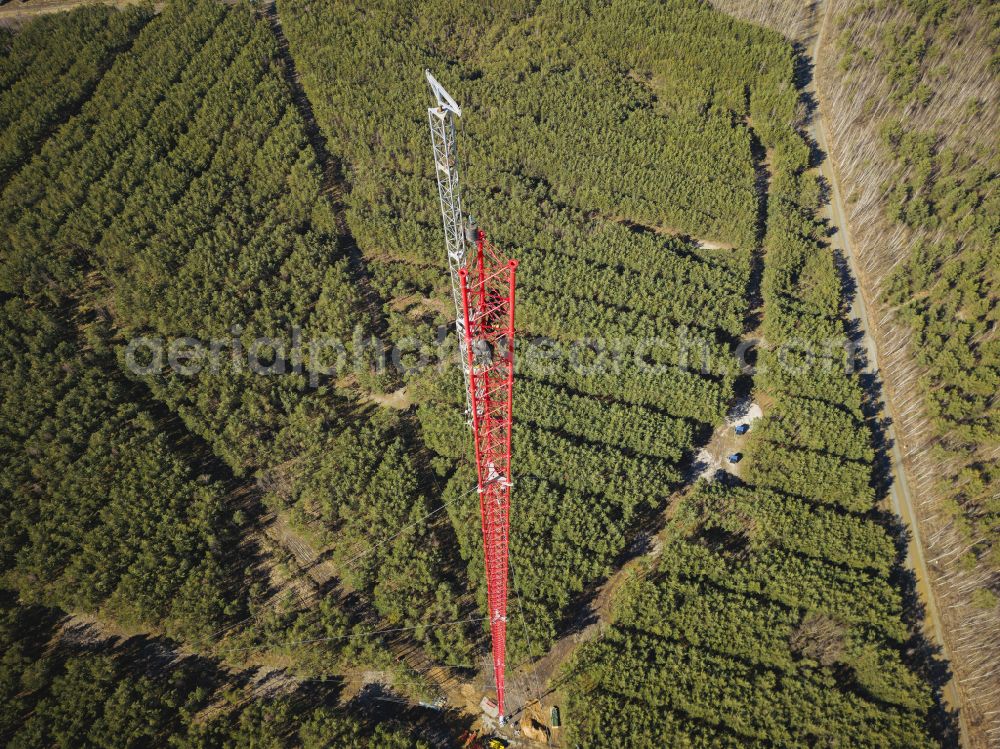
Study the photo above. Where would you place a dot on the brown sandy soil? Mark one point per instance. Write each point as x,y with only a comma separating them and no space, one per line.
14,12
399,399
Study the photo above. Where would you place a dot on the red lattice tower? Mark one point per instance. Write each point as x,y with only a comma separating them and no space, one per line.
487,286
483,292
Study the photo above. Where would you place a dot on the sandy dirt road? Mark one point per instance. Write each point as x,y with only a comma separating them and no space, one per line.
15,12
900,495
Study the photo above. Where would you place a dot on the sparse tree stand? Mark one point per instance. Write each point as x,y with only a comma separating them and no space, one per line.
483,292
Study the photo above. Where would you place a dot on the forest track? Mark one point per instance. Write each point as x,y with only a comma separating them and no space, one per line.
899,490
13,12
535,683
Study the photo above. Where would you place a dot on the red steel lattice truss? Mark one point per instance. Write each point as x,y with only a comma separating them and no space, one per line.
487,286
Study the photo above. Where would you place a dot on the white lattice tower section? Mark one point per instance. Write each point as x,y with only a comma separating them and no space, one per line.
445,145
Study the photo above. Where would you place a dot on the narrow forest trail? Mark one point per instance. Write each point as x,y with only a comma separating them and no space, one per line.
15,11
899,491
538,679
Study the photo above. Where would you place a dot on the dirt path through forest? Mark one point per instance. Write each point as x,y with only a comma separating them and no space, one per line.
15,12
899,493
